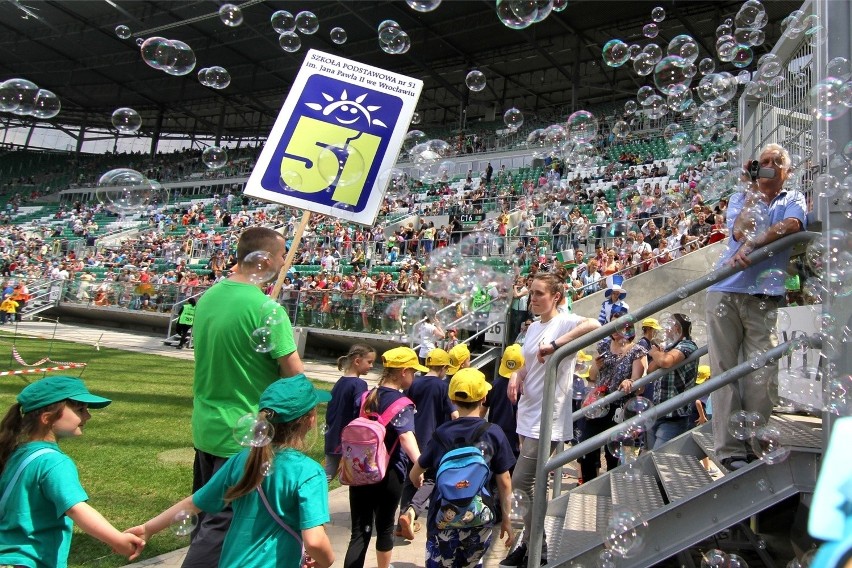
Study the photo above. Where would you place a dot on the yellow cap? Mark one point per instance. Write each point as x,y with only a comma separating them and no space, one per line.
402,358
458,355
512,360
583,356
703,374
437,358
468,385
652,323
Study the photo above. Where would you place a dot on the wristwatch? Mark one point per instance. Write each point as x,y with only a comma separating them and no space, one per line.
553,344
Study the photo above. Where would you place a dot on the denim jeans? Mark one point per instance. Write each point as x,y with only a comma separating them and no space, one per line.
664,430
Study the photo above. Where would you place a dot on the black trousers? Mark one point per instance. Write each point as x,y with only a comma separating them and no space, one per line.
205,546
369,504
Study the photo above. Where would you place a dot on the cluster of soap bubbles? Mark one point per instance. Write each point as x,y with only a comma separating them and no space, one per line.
715,558
393,40
520,14
286,24
214,157
124,191
126,120
253,430
215,77
430,158
765,439
625,532
171,56
24,98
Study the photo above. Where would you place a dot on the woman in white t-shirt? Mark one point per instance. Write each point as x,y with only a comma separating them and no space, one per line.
526,387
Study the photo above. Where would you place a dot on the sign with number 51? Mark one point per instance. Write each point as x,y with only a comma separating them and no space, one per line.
336,138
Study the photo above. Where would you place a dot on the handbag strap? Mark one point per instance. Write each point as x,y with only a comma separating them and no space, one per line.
27,461
279,520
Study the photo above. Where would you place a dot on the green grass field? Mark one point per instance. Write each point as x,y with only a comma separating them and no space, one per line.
135,455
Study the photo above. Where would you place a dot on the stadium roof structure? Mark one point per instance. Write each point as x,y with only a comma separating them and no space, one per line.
546,70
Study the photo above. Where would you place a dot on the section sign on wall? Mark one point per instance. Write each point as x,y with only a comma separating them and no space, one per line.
340,129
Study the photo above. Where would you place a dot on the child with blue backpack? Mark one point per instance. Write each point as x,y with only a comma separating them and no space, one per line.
462,516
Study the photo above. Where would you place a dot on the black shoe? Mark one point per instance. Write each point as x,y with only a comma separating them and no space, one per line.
517,558
734,463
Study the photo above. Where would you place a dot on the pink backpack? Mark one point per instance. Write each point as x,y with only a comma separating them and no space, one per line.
365,458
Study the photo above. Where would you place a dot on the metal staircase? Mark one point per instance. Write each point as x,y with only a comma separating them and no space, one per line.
44,295
680,502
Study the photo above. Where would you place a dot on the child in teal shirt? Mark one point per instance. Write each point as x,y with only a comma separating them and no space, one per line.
279,495
40,492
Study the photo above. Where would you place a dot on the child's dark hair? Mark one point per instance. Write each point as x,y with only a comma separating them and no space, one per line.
357,350
17,427
289,434
468,404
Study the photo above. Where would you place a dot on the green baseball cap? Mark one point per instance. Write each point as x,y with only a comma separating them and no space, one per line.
55,389
291,398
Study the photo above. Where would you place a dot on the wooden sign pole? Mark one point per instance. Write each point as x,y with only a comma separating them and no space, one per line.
288,262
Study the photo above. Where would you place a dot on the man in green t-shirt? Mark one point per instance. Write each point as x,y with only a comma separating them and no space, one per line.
231,371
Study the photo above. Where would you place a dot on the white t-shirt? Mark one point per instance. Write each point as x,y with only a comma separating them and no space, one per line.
529,405
428,335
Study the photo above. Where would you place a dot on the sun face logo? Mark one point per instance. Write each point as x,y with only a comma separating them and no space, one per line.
511,364
345,107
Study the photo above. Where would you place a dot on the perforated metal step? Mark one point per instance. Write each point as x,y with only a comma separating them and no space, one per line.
680,475
797,434
585,523
640,492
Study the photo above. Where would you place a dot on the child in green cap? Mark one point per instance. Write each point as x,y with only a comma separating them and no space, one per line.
40,492
274,481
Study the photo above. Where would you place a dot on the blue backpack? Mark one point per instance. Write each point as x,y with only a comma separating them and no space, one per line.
461,484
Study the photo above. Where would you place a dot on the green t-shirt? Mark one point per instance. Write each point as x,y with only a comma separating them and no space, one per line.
298,493
230,374
34,530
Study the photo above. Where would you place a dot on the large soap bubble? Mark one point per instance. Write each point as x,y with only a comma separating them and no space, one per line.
214,157
124,191
683,46
670,75
18,96
183,59
625,532
517,14
307,22
47,104
290,42
423,5
126,120
258,267
157,52
716,89
184,523
615,53
768,445
253,431
582,126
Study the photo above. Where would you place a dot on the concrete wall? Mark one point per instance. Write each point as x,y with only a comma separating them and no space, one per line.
643,288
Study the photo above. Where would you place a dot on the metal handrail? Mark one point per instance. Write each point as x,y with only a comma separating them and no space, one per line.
543,464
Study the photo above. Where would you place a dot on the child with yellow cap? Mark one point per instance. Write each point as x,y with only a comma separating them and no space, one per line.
462,540
501,410
459,359
702,411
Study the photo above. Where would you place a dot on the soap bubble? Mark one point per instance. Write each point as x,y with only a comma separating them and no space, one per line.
658,14
214,157
767,445
282,21
331,168
513,119
184,523
839,67
827,98
638,405
750,15
290,42
124,191
416,118
625,532
655,107
47,104
683,46
261,339
517,14
519,506
182,61
706,66
272,314
615,53
643,64
650,30
740,425
620,129
423,5
624,445
670,75
643,93
122,31
630,108
266,469
126,120
413,138
653,50
582,126
826,185
742,56
258,267
18,96
139,41
606,559
307,22
157,52
714,558
338,35
475,80
230,15
387,30
253,431
214,77
485,449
